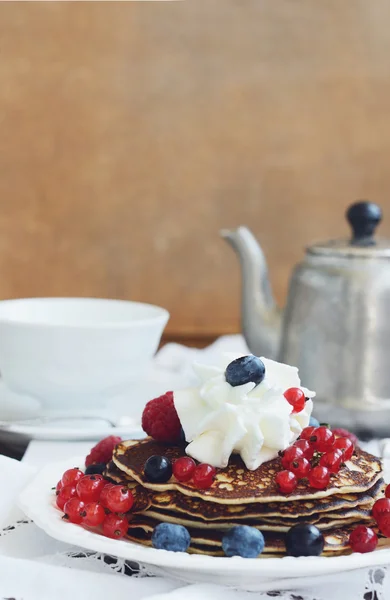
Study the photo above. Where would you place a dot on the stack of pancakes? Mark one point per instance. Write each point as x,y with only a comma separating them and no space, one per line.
242,497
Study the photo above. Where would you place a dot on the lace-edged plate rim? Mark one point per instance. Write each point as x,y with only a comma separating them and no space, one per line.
37,502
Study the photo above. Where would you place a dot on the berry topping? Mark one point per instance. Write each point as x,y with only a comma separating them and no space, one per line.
160,420
96,469
183,468
304,540
158,469
306,448
307,433
346,446
296,398
59,487
387,491
314,422
72,510
102,452
286,481
322,439
381,507
90,487
300,467
291,453
332,460
204,476
384,524
104,492
93,514
174,538
339,432
245,369
115,527
71,476
363,539
119,499
66,493
319,477
244,541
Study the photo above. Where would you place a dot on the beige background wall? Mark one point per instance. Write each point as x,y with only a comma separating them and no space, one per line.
131,132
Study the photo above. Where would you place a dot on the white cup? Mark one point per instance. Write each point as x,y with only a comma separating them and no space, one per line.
76,352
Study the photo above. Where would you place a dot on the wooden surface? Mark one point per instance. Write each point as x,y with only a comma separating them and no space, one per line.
132,132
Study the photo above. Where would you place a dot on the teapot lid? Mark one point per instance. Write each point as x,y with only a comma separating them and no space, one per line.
364,217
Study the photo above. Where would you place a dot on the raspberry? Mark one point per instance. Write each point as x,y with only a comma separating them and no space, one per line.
160,420
339,432
102,452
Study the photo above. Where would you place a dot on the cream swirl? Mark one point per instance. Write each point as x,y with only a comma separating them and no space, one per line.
255,421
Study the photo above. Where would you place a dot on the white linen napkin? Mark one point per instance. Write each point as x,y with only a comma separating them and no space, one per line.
34,566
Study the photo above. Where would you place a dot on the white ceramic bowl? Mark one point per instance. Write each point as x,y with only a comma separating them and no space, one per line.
76,352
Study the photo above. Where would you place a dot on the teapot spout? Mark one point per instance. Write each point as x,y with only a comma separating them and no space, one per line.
260,317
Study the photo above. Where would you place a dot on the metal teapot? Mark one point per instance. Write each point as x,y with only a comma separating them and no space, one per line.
336,325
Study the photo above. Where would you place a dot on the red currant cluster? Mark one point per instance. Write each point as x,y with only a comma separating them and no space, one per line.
185,469
314,457
381,513
93,501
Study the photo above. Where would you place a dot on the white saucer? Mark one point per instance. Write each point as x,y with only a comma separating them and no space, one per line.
23,415
38,502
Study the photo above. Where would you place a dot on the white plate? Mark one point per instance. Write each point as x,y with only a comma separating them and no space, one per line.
38,503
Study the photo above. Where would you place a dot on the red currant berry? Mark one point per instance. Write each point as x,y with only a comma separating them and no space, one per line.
307,433
66,493
296,398
332,460
72,476
300,467
346,446
104,492
183,468
289,454
90,487
387,491
114,526
286,481
204,476
384,524
319,477
59,487
363,539
73,509
322,439
306,448
93,514
119,499
381,507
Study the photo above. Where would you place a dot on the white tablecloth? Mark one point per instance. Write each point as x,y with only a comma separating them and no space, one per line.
36,567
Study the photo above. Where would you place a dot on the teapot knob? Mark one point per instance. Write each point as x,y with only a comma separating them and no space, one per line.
364,217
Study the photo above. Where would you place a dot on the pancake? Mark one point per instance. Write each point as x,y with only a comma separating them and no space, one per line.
211,511
323,522
237,485
196,508
336,541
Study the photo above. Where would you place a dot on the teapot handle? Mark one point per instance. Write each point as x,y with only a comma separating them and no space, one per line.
364,217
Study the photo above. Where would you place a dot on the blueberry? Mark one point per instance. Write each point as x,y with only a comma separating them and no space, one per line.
97,469
304,540
167,536
244,541
313,422
158,469
245,369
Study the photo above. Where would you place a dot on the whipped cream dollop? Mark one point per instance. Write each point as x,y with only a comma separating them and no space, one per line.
255,421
